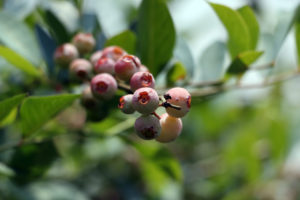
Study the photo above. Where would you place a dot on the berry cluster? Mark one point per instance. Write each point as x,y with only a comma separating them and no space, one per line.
113,68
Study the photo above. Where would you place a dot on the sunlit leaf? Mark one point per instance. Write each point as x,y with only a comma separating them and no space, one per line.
5,170
36,111
238,33
18,61
126,40
241,63
297,33
156,34
249,17
8,104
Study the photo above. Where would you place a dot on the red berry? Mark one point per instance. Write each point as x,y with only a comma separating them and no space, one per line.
95,57
64,54
104,86
178,97
113,52
126,66
81,68
145,100
125,104
147,127
84,42
105,65
170,128
142,79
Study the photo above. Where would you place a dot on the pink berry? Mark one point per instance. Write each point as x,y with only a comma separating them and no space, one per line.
113,52
95,57
145,100
178,97
170,128
104,86
85,42
125,104
142,79
147,127
105,65
81,68
126,66
64,54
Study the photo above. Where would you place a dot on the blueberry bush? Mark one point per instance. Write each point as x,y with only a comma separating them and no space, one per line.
105,99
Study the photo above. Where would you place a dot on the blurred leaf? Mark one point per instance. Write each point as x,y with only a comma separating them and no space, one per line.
183,53
32,160
66,13
176,73
47,46
8,104
126,40
238,33
100,41
211,62
297,33
18,61
156,34
10,118
55,26
50,190
36,111
241,63
89,22
19,38
5,170
249,17
20,8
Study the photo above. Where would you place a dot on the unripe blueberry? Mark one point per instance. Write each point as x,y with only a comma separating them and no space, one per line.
105,65
125,104
81,69
84,42
126,66
113,52
178,97
170,128
87,98
147,127
141,79
95,57
145,100
104,86
64,54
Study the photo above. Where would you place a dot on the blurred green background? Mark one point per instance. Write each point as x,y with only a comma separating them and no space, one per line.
240,144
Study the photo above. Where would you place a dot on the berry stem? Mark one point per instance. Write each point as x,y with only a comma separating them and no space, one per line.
156,115
125,87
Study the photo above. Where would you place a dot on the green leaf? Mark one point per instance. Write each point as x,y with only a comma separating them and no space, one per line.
249,17
297,33
19,38
18,61
238,33
56,27
241,63
126,40
176,73
5,170
9,104
20,8
36,111
211,62
156,34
